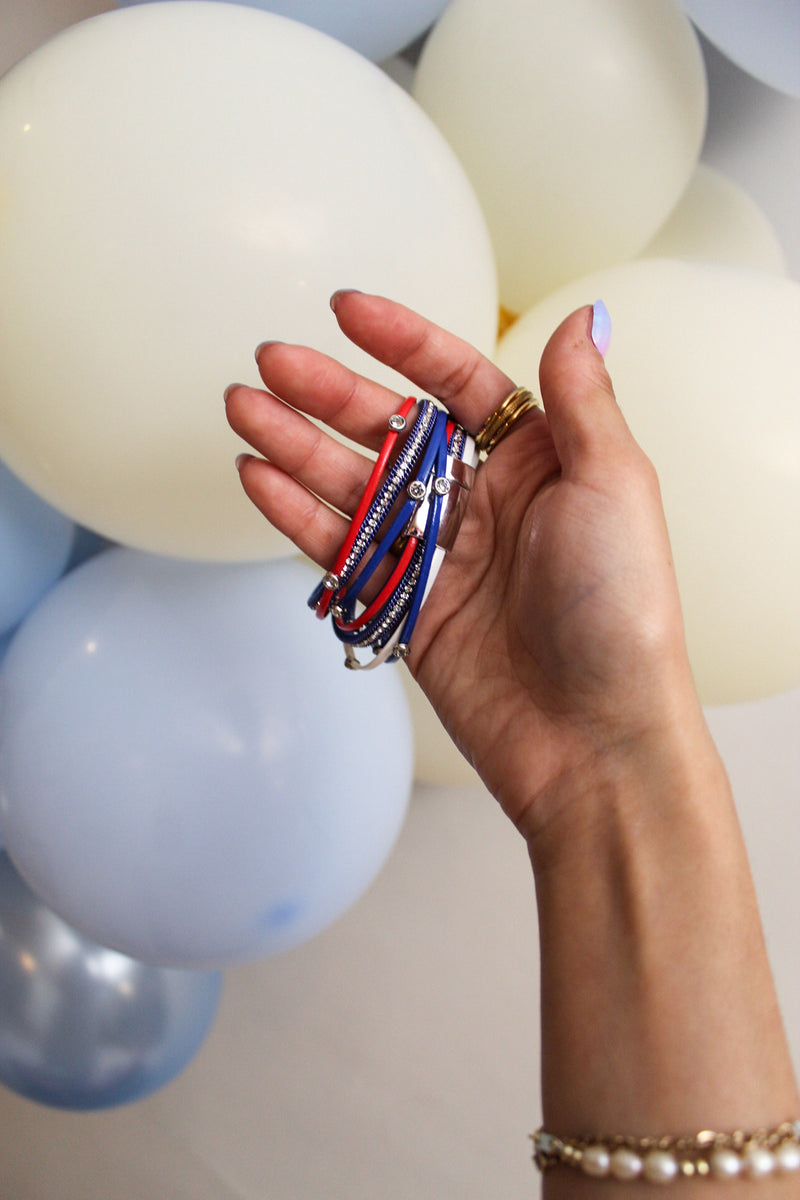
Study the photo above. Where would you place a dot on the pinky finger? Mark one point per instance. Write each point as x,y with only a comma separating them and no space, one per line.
316,530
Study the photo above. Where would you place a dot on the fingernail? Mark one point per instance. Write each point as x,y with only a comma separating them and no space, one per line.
241,459
337,295
601,327
231,387
263,346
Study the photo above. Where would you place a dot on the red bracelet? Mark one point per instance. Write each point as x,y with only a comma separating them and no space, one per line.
369,495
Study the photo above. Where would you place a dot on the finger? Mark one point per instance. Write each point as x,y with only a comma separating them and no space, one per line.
440,363
586,424
325,389
314,528
298,447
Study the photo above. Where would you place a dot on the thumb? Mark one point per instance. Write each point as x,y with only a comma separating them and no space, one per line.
586,424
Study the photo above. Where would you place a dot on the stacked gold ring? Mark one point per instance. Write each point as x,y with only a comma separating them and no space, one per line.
503,419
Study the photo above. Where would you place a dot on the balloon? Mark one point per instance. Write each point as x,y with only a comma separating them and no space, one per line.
35,545
26,26
705,366
374,30
219,172
762,38
579,124
187,772
716,219
83,1027
5,642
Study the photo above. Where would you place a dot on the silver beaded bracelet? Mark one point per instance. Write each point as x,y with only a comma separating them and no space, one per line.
754,1155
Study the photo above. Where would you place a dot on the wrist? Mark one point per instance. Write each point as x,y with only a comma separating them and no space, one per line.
656,789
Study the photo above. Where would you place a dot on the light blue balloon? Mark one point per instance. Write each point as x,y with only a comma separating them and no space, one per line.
375,28
5,642
83,1027
35,545
187,772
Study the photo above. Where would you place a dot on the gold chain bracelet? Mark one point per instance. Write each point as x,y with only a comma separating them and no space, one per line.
755,1154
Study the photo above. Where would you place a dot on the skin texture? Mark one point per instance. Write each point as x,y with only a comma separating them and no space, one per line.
576,705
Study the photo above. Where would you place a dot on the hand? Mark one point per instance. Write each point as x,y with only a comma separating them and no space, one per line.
553,636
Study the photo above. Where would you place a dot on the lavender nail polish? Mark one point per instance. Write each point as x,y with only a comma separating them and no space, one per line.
601,327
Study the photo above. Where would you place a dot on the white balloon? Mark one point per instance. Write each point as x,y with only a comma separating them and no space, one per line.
760,36
179,182
579,124
716,219
705,366
188,774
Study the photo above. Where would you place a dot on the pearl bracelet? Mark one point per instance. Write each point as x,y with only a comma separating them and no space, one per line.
709,1155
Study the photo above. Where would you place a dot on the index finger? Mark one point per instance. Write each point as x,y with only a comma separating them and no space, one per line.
327,390
442,364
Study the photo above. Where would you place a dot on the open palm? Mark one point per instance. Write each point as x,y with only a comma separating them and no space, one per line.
553,632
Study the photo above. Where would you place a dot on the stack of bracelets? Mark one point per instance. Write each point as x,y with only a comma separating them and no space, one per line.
410,513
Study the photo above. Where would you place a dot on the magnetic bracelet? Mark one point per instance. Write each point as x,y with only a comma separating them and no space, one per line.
405,523
754,1155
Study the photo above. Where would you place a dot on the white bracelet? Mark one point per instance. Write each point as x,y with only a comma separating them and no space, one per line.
755,1155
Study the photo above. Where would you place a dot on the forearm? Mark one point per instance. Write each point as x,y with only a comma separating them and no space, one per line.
659,1013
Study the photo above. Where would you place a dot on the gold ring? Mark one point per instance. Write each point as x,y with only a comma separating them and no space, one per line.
503,419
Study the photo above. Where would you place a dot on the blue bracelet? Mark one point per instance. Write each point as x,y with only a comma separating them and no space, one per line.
435,466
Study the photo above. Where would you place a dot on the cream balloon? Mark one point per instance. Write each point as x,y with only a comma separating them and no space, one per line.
705,366
715,219
579,124
178,182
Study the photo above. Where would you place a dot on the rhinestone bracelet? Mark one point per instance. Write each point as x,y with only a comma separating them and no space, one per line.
409,514
709,1155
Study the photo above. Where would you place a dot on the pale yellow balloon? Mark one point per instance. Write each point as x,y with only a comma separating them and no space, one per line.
179,182
705,364
579,124
715,219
